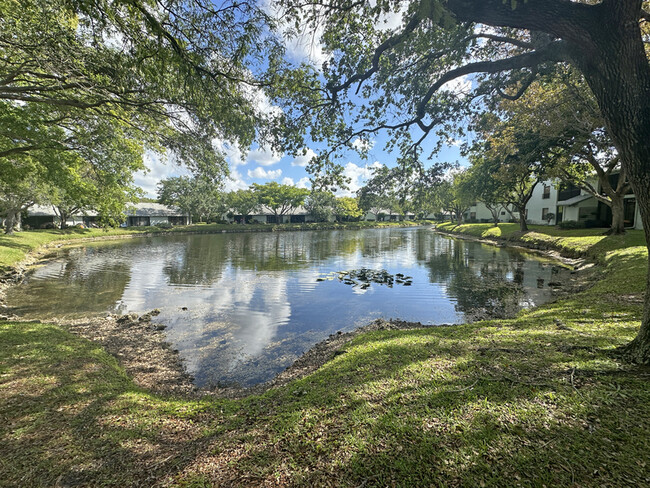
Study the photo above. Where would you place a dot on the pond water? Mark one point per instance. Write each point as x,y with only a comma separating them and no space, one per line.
240,308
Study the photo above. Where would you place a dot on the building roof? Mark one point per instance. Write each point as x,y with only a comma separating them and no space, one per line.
574,200
48,211
145,209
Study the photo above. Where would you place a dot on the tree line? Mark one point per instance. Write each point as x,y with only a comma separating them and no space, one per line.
206,202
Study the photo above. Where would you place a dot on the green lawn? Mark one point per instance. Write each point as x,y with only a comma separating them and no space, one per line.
538,400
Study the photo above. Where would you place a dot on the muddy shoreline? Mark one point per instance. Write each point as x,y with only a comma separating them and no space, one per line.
141,347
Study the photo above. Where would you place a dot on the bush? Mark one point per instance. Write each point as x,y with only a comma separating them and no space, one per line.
164,225
571,224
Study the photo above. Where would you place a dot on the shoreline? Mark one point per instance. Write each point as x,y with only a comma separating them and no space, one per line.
142,349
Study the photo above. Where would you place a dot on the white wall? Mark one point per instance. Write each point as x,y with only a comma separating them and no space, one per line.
537,203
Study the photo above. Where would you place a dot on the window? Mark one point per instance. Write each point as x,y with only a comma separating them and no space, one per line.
547,192
503,212
544,212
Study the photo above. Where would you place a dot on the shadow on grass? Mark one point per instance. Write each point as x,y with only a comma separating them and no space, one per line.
458,406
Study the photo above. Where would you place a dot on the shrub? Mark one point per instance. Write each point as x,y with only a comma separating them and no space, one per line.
571,224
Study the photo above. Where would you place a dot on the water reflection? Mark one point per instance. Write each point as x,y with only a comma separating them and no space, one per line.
253,302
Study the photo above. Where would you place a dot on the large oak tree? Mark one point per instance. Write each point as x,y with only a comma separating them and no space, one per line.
403,75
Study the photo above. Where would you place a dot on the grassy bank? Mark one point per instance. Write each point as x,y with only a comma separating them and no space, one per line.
533,401
15,248
592,243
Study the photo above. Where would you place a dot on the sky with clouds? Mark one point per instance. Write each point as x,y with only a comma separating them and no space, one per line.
261,164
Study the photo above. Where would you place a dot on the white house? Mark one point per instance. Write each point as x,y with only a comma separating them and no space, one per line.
566,203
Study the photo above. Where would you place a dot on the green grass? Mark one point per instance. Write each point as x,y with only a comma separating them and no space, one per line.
538,400
593,243
15,248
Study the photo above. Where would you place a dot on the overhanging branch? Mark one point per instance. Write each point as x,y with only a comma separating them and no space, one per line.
553,51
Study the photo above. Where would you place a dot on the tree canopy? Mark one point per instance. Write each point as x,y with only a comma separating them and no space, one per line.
97,84
401,80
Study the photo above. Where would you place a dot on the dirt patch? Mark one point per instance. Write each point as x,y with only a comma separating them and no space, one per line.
141,349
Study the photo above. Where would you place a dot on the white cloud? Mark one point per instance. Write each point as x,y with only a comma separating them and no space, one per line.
303,159
459,86
363,144
262,174
455,142
264,156
235,182
231,151
158,170
260,101
303,44
391,20
358,176
304,183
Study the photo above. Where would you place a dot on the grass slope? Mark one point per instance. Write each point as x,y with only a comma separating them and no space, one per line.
533,401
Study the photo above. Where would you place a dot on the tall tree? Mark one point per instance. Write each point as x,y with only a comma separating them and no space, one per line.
347,209
244,203
107,81
481,183
280,199
405,74
196,196
563,115
321,205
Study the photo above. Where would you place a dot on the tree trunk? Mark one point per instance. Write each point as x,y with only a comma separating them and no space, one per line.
523,226
64,218
618,73
618,215
10,222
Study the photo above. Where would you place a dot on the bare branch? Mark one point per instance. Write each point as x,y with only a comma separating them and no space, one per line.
504,39
521,90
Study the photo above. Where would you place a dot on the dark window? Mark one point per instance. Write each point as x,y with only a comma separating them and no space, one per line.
177,220
547,192
503,213
544,212
139,221
629,210
568,191
297,219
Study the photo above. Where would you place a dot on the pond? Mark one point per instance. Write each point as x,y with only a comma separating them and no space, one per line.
242,307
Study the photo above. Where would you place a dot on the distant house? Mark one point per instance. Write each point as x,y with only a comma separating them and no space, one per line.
265,215
145,214
40,216
566,203
387,215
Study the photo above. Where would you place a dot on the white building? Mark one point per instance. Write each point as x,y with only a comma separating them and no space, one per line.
566,203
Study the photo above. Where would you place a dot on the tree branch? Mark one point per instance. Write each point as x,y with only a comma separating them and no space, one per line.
554,51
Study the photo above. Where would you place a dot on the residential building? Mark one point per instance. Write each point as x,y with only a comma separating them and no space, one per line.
145,214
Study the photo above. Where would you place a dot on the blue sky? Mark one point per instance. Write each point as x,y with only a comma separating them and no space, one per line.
260,164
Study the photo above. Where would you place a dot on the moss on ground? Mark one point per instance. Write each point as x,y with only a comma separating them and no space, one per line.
538,400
